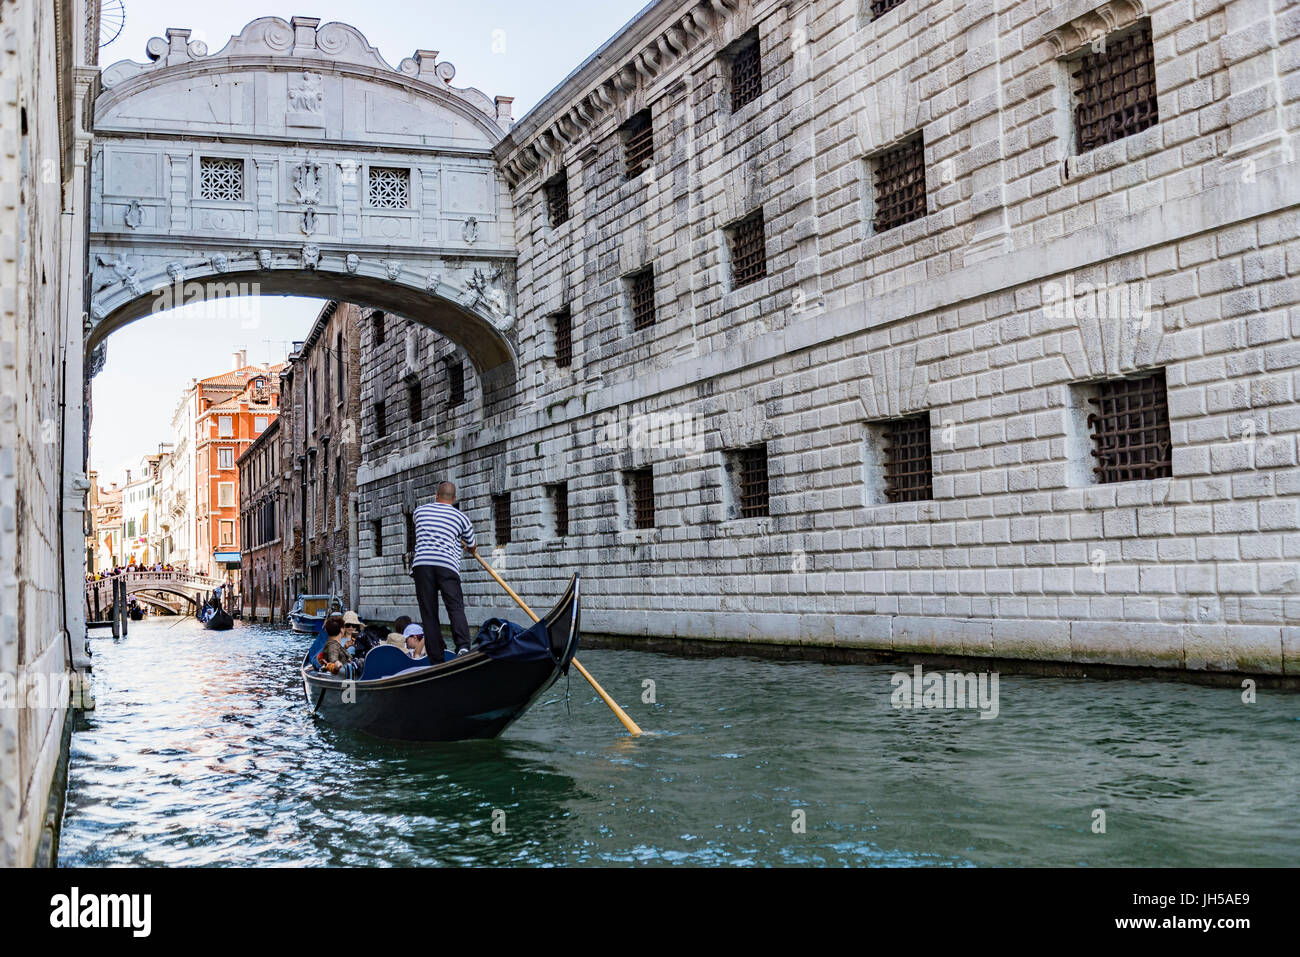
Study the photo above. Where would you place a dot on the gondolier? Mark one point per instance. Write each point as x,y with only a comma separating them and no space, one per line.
442,534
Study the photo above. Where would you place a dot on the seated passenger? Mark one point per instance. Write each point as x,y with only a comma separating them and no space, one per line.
414,635
333,657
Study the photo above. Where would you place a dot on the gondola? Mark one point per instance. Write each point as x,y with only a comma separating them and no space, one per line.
215,618
136,612
476,695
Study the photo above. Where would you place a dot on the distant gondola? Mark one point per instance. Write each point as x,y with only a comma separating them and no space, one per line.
476,695
215,618
136,612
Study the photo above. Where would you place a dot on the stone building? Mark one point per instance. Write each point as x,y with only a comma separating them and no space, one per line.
261,510
911,326
319,452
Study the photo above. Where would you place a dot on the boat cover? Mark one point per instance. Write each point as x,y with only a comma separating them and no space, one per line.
498,638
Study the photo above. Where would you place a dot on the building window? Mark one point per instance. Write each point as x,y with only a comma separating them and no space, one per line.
563,324
227,533
640,487
746,71
221,179
641,297
1115,89
377,536
410,532
338,363
1130,429
638,143
377,326
881,7
501,517
390,187
560,508
900,184
415,399
748,470
225,427
381,420
909,469
225,495
225,458
455,381
556,190
259,424
748,250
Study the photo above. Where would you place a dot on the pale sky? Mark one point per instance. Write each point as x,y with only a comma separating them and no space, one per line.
503,47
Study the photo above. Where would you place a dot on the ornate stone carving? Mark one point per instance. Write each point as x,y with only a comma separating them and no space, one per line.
310,256
392,268
351,262
219,262
176,271
307,95
480,290
307,182
134,215
431,281
264,258
470,231
124,270
308,224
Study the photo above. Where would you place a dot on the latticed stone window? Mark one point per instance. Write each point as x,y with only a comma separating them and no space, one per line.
221,179
563,321
1130,429
900,184
748,250
560,508
881,7
390,187
749,475
641,295
501,517
456,381
557,199
641,497
638,143
909,469
1115,89
746,71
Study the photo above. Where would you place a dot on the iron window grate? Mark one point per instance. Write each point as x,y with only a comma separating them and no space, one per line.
748,250
557,199
390,187
1130,430
881,7
642,291
560,502
1115,90
638,143
456,381
563,337
909,470
752,463
746,74
900,184
501,517
221,179
641,483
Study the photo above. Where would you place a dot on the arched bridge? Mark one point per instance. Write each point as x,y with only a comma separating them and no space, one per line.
193,588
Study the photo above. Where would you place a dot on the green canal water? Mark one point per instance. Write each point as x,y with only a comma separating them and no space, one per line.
201,752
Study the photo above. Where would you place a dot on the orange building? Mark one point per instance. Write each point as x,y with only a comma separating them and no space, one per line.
231,411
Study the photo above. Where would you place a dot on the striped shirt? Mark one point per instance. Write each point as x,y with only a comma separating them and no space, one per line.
439,527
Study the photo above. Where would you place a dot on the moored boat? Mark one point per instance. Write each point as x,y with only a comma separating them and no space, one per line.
476,695
309,612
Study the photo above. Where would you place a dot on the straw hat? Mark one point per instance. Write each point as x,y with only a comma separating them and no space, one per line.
350,618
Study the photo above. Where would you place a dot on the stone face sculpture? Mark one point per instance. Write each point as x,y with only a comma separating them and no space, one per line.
310,256
264,258
392,268
220,263
351,262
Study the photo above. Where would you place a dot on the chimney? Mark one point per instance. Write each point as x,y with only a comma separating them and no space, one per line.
240,359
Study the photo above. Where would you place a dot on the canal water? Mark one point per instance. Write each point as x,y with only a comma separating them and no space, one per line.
201,752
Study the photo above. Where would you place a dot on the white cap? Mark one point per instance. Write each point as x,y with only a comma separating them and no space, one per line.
413,630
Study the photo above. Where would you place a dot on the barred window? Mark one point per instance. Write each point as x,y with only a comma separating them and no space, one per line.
560,508
563,321
381,420
909,469
416,400
221,179
641,496
900,184
641,295
390,187
1115,90
749,475
881,7
557,198
377,536
501,517
1130,429
410,531
748,250
638,143
746,71
377,321
456,381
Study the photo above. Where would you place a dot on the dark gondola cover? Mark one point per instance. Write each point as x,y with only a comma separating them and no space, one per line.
476,695
215,618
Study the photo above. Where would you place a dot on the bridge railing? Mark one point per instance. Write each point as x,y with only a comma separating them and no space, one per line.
151,577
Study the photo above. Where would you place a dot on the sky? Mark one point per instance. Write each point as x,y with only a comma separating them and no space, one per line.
519,48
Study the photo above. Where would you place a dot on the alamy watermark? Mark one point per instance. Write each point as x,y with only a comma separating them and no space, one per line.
946,690
682,431
1128,302
224,301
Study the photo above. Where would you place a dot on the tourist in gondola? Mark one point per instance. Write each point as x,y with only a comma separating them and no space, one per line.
334,657
414,636
442,535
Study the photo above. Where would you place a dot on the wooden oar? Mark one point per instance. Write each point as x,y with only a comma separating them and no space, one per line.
622,715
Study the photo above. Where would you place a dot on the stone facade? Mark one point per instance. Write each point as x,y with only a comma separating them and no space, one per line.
319,452
995,314
261,518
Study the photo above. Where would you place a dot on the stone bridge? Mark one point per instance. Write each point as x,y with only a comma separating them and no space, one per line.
296,161
193,588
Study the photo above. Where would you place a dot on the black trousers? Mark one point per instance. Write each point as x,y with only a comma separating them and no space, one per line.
430,581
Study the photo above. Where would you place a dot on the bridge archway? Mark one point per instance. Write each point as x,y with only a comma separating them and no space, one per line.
297,161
